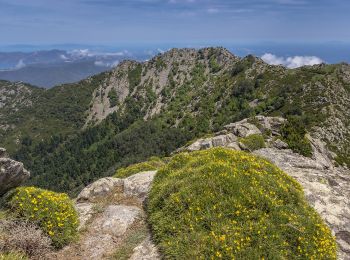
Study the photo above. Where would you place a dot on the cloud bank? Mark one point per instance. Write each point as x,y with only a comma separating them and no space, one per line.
291,62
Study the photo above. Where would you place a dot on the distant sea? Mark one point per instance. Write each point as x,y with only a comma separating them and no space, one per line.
330,52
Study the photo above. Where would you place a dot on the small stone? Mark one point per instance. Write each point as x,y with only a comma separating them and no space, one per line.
279,144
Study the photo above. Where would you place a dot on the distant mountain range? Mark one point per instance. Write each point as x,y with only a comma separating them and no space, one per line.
54,67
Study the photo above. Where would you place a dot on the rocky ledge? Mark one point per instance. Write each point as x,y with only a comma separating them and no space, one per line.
12,173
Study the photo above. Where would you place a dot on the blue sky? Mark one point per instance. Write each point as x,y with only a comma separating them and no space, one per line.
173,21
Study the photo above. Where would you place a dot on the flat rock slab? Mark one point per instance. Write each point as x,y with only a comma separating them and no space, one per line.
106,231
145,251
117,218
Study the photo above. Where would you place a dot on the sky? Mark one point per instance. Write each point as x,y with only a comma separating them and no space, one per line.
279,30
190,21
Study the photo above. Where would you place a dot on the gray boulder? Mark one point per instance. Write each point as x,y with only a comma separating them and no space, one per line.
12,173
99,188
243,129
279,144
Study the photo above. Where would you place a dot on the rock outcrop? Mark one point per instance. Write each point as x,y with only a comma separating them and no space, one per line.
110,211
12,173
326,187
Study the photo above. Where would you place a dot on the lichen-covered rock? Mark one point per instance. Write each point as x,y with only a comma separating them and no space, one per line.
145,251
12,173
138,185
99,188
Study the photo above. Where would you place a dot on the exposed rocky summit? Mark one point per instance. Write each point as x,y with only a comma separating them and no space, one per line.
327,188
12,173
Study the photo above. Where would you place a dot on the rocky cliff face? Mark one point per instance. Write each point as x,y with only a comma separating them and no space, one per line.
150,79
12,173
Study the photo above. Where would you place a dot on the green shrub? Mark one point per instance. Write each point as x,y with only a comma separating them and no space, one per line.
134,76
293,132
53,212
113,98
220,203
253,142
153,164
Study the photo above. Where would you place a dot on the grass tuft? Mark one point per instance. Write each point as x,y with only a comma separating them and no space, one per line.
153,164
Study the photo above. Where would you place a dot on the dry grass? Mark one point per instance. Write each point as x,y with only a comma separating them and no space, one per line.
23,237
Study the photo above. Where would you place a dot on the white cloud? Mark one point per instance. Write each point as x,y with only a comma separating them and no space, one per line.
291,62
82,53
106,64
20,65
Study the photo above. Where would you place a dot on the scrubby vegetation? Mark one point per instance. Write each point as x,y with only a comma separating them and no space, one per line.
52,112
22,237
253,142
202,94
224,204
53,212
113,98
293,133
151,165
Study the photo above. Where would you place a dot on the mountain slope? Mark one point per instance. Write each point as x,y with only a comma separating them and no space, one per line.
32,114
142,109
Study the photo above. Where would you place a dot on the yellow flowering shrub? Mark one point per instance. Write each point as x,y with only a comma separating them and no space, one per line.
53,212
151,165
227,204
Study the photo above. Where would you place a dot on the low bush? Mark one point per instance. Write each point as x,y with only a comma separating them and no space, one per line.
25,238
227,204
53,212
293,133
253,142
153,164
